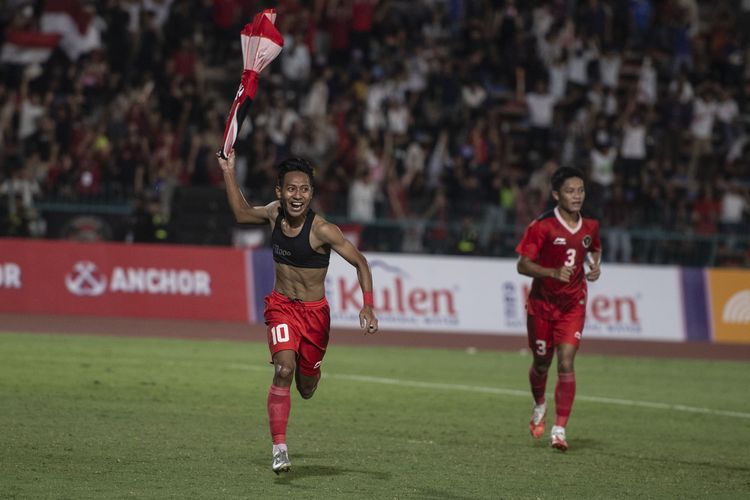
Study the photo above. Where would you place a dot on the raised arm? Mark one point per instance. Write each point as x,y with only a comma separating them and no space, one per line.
243,212
330,234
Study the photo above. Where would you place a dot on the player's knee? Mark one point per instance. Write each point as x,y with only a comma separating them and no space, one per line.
541,365
565,366
306,386
307,392
284,371
541,370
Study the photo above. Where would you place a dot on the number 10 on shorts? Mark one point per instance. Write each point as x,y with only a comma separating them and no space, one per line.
280,333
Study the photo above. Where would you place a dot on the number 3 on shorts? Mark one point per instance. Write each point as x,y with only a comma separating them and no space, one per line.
541,348
280,333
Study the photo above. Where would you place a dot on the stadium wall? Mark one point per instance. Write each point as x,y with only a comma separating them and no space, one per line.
444,294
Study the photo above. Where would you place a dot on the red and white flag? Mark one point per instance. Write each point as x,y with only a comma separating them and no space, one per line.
28,47
261,44
75,22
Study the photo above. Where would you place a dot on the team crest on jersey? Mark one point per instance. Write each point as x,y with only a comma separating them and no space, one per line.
586,241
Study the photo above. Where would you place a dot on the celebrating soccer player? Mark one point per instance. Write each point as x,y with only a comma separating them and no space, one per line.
297,315
553,251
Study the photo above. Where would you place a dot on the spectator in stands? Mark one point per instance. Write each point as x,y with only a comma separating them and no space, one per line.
540,105
296,61
701,127
735,208
727,116
618,213
634,125
19,192
602,170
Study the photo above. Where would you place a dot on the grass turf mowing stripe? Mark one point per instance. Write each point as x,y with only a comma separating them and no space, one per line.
514,392
485,390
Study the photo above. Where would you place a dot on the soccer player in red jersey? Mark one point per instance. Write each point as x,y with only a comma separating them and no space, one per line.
553,251
297,315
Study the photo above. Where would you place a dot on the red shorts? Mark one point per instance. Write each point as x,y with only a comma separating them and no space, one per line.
298,326
545,332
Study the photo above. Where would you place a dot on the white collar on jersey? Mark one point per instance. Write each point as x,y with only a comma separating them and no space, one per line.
572,230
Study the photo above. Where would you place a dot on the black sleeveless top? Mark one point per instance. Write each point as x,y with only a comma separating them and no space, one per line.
296,251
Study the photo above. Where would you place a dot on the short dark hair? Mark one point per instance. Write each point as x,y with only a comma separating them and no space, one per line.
562,174
296,164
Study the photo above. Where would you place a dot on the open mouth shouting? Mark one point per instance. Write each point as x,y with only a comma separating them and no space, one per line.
296,206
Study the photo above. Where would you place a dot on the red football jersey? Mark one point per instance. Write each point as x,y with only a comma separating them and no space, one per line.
549,242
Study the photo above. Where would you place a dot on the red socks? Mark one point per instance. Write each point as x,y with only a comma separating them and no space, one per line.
565,392
538,384
279,404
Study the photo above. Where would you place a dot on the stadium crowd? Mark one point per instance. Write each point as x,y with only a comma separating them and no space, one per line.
445,116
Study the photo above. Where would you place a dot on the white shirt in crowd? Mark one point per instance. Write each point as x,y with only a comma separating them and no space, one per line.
703,118
541,109
578,64
647,81
315,104
418,70
609,70
362,196
542,21
558,79
25,188
374,118
633,141
603,166
473,95
295,60
279,125
727,110
610,104
399,117
732,208
28,117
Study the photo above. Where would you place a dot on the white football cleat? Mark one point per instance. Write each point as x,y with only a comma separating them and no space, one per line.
536,424
557,438
281,461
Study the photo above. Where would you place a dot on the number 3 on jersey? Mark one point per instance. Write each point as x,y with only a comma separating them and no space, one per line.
571,260
280,334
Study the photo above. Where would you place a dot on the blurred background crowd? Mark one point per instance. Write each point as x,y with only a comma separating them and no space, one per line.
434,125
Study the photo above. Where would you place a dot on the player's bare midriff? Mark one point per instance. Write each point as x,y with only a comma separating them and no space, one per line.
300,283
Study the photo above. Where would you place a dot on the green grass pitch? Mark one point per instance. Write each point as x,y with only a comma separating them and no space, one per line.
104,417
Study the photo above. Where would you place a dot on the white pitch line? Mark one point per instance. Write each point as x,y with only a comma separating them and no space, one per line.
513,392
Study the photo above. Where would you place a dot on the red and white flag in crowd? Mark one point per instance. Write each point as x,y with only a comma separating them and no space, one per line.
28,47
261,43
75,22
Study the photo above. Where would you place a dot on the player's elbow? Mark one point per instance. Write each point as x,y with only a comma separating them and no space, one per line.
521,267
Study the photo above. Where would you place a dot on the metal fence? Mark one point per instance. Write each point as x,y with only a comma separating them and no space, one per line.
210,223
643,246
